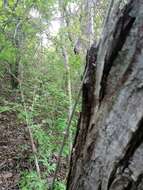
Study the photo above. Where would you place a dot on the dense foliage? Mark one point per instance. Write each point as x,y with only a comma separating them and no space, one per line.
40,76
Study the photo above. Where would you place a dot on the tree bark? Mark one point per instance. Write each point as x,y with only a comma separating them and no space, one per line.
17,43
108,149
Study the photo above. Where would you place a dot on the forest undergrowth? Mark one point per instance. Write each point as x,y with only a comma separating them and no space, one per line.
43,47
17,168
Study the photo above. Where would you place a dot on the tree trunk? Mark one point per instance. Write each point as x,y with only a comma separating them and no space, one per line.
69,92
17,42
15,74
5,3
108,148
86,24
14,69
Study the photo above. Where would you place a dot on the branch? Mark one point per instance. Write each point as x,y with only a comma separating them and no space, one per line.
16,29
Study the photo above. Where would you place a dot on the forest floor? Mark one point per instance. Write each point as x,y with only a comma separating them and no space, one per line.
13,153
15,146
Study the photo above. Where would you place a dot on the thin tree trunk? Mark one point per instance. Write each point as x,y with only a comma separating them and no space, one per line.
68,78
17,42
87,27
64,23
108,149
69,89
5,3
15,74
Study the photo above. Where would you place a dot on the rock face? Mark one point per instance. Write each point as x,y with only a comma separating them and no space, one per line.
108,149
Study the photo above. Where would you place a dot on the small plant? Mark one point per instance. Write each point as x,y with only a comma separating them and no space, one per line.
30,181
4,109
60,186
